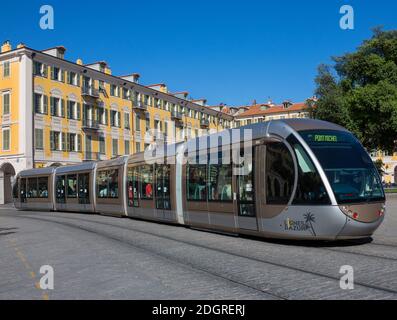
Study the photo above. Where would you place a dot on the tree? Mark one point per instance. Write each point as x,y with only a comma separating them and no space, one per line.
359,91
380,166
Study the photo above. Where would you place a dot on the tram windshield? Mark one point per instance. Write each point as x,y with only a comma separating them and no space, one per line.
350,170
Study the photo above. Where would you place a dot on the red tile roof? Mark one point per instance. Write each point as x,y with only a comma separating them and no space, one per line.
266,109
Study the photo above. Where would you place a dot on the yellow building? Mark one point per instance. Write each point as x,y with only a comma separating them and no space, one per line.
57,112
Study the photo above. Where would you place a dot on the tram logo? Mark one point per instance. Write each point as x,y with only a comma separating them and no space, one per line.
301,225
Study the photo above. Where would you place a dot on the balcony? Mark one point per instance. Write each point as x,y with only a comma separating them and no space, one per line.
90,124
91,156
176,115
139,106
90,92
204,123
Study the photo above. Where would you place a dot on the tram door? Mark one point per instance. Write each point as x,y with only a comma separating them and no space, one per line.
84,190
245,178
133,188
162,190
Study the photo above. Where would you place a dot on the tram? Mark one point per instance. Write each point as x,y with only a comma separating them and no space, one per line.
298,179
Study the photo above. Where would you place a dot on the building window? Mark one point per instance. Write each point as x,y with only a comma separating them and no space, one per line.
40,69
71,142
114,118
102,145
55,140
6,69
126,120
6,139
126,94
72,112
137,147
57,74
6,103
73,78
147,123
57,107
38,138
126,147
137,122
115,147
114,90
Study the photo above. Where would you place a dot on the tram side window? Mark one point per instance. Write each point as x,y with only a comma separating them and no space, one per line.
219,180
146,182
113,178
279,173
310,189
60,189
132,186
32,188
23,188
245,182
84,195
108,183
72,186
43,187
196,182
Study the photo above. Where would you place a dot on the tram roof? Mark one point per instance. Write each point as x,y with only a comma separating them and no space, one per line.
76,167
36,172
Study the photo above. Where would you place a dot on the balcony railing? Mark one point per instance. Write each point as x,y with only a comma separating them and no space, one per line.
90,92
139,105
90,124
204,123
176,115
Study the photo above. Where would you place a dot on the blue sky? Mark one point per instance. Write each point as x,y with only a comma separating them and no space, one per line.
223,50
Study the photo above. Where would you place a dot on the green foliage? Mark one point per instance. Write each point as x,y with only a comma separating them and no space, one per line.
359,91
379,166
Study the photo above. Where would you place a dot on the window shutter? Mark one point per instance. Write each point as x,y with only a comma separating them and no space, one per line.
45,71
63,141
52,145
52,73
106,116
78,80
78,111
69,78
62,76
68,142
79,142
45,105
63,108
52,106
68,109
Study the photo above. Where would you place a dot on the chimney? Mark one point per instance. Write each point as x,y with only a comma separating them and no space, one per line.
6,46
287,104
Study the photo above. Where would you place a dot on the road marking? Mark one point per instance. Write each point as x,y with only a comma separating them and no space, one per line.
26,264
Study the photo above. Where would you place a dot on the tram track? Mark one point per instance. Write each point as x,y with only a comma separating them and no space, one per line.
206,247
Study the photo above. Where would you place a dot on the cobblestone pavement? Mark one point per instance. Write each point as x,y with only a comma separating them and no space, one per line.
98,257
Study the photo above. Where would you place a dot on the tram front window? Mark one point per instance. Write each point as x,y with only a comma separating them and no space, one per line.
350,170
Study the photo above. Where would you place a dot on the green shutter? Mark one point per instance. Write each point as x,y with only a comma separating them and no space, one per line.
52,106
52,73
52,146
68,142
45,71
78,111
79,142
69,78
45,105
63,108
62,76
78,80
68,109
64,141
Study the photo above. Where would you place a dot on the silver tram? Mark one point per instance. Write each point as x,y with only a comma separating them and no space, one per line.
303,179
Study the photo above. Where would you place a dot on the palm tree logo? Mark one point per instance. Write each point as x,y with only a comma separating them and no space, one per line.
310,219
